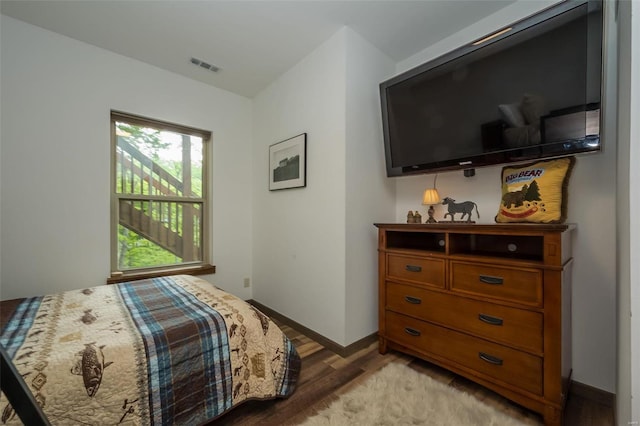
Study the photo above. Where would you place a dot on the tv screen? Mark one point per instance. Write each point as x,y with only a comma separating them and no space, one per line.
532,92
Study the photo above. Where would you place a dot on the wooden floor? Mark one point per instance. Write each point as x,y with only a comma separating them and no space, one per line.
325,376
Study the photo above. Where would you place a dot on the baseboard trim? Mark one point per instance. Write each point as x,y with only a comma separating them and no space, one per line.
343,351
593,394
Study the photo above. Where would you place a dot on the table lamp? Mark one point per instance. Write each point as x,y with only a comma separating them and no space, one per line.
429,198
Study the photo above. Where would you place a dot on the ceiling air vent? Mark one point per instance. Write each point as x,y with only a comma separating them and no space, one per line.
204,65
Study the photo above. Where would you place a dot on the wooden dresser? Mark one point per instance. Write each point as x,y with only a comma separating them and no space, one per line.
489,302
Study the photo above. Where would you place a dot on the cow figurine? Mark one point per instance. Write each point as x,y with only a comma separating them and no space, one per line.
466,208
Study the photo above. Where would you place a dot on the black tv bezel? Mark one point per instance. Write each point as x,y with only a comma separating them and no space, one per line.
485,159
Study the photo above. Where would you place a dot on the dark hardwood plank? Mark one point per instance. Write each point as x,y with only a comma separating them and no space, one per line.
585,412
7,307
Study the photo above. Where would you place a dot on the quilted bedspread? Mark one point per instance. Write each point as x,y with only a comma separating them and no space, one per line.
173,350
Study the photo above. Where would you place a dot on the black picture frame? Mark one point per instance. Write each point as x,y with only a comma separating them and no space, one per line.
288,163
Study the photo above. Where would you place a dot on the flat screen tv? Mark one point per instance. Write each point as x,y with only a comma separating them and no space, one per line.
532,91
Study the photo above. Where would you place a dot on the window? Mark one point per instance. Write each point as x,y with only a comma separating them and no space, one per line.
159,219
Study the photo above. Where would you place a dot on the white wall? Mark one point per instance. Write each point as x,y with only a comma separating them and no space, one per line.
634,203
298,234
592,206
315,248
55,154
628,386
370,195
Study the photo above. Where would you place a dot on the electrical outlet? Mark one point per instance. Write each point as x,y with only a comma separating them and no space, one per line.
247,283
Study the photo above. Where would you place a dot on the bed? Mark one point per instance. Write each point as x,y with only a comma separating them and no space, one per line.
171,350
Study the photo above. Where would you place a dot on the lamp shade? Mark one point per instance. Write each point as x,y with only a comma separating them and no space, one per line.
431,197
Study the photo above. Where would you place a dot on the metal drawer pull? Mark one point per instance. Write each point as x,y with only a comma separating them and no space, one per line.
489,358
413,300
491,280
412,331
413,268
489,319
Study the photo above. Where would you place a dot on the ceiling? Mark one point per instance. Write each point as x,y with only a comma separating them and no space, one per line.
252,42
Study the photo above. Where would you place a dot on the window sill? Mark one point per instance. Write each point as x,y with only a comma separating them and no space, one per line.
185,270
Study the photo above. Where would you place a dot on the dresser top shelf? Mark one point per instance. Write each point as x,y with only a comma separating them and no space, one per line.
537,243
476,228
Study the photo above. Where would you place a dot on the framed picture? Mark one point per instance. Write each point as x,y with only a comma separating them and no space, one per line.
288,163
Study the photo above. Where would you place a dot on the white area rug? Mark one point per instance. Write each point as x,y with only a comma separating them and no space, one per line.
398,395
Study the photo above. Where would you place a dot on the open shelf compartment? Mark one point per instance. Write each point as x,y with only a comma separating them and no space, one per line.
424,241
517,247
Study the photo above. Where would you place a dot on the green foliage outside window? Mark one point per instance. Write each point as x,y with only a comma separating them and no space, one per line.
158,170
138,252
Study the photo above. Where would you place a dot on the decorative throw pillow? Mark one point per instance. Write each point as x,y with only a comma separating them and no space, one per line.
535,192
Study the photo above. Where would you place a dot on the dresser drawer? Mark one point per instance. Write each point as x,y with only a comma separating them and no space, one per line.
417,269
500,362
518,285
515,327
